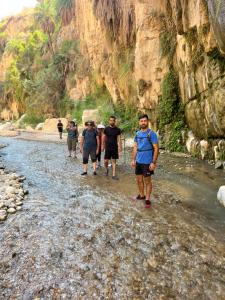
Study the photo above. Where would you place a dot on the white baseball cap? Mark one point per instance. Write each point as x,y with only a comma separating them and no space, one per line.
100,126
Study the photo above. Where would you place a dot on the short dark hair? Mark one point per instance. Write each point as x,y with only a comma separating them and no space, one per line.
112,117
143,116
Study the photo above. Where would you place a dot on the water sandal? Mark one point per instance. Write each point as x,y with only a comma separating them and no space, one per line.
147,203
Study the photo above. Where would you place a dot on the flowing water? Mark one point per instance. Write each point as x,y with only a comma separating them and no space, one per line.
85,238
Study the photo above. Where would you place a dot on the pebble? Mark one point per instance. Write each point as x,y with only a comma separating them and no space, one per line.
11,210
3,215
11,192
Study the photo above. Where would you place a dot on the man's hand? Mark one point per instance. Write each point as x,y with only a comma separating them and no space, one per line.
97,151
81,150
152,167
133,163
120,149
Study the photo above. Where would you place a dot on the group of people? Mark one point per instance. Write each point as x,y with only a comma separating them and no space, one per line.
94,140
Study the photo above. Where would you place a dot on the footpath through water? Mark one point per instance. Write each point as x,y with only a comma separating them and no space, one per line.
84,238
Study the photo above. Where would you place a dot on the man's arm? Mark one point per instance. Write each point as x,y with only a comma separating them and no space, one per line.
155,157
133,162
81,143
103,141
98,144
119,142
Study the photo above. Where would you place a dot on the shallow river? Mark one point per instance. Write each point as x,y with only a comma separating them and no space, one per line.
85,238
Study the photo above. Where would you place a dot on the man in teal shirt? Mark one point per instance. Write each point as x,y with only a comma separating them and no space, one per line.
145,155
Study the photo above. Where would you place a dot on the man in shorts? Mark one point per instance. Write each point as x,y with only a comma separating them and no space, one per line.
112,145
72,138
89,146
60,128
145,155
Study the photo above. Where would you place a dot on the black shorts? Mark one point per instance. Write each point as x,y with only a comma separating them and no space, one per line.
143,169
112,153
87,153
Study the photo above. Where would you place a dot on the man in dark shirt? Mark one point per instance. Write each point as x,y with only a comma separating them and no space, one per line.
72,138
60,128
89,146
112,145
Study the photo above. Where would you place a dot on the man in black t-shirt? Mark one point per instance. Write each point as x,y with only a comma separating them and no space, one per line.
112,145
60,128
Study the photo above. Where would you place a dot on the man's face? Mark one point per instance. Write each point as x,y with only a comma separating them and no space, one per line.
143,123
89,126
112,122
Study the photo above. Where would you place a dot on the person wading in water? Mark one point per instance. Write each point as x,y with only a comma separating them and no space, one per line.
72,138
112,145
89,146
60,128
145,155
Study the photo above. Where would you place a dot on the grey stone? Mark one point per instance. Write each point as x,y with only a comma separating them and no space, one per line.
219,165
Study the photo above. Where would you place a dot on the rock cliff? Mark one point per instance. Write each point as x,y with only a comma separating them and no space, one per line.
131,45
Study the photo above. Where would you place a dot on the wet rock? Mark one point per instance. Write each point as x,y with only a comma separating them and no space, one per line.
2,167
26,192
11,210
219,165
21,178
3,215
221,195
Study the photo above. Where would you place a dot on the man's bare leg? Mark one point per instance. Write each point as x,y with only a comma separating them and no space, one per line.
140,184
113,167
106,162
148,186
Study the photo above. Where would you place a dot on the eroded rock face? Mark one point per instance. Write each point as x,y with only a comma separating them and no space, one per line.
133,29
217,14
121,42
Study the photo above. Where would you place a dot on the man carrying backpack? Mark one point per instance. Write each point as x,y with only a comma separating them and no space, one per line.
89,146
145,155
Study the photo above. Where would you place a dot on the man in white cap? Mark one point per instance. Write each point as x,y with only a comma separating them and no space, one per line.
100,129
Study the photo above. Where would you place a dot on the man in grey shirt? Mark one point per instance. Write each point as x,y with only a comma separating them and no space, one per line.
89,146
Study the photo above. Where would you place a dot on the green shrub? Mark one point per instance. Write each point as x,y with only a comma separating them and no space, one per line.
169,102
171,114
168,44
174,141
32,119
218,58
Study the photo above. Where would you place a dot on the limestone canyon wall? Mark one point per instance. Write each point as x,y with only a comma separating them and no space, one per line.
106,29
122,42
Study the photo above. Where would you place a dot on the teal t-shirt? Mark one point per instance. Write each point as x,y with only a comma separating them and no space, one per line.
145,151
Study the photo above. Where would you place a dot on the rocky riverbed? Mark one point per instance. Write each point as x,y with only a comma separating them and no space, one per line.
11,191
85,238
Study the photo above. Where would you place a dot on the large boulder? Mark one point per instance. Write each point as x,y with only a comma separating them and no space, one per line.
50,125
6,126
221,195
39,126
91,114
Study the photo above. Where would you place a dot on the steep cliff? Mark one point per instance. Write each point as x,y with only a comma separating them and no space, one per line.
142,50
132,44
